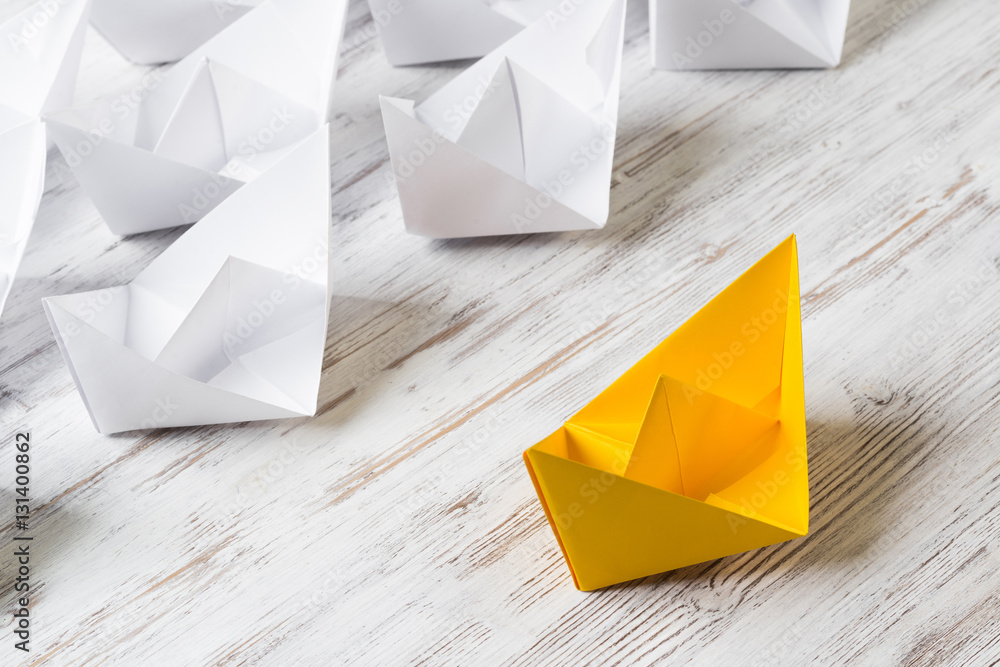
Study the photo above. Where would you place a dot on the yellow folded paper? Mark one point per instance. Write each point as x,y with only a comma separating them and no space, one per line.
696,452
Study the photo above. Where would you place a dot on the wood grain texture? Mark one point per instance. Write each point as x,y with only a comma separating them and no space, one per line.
399,525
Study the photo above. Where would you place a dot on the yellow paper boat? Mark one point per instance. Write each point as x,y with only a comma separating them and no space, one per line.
696,452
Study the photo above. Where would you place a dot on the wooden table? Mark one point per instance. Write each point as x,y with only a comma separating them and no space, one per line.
399,525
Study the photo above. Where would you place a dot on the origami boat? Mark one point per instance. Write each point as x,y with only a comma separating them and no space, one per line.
227,325
696,452
747,34
40,50
167,152
425,31
149,32
521,142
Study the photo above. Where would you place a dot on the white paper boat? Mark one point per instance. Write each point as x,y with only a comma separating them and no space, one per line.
522,141
228,325
747,34
40,50
22,180
170,151
425,32
148,32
